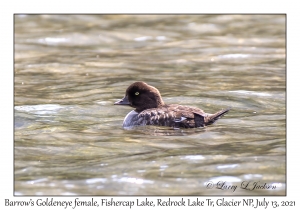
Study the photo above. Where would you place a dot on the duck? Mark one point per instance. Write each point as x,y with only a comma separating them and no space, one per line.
150,109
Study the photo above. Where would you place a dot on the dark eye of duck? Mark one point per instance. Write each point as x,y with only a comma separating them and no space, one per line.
137,93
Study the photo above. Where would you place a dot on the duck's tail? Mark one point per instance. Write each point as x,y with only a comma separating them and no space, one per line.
211,118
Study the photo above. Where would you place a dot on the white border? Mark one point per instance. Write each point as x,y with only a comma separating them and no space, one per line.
8,8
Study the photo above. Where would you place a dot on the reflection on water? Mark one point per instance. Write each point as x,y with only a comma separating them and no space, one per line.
70,69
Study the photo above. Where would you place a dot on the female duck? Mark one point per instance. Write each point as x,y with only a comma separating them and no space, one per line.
151,110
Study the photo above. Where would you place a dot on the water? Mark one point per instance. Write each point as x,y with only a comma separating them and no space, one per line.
70,69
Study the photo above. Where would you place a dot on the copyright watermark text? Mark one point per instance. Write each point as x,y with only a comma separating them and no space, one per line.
245,185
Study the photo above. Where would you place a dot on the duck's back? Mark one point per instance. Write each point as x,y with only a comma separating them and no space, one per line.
173,116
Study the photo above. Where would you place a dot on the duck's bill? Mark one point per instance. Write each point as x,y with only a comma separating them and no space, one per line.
123,101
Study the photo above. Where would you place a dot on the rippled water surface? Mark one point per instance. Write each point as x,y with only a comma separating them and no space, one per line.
70,69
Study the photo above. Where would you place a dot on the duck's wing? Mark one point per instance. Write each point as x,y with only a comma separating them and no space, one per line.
173,116
178,116
188,117
158,116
